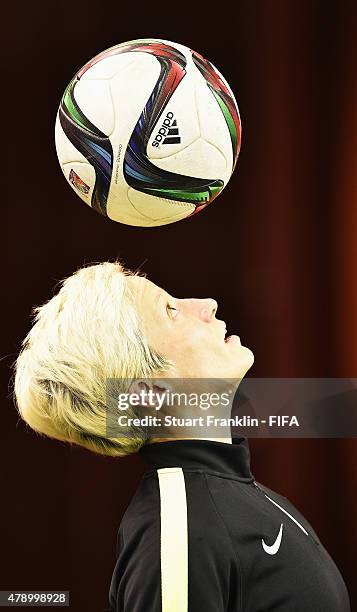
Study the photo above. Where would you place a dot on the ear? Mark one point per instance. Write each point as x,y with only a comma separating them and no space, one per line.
149,391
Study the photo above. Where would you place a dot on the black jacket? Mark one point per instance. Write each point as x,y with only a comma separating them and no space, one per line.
200,535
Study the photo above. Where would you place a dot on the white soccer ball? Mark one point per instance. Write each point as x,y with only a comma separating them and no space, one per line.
148,132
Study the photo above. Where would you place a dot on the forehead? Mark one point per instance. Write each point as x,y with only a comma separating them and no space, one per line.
146,296
143,289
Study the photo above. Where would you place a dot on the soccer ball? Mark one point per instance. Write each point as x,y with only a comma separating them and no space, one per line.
148,132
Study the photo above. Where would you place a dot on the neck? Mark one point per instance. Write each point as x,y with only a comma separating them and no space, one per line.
203,415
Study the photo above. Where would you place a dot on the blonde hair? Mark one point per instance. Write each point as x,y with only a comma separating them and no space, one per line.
87,333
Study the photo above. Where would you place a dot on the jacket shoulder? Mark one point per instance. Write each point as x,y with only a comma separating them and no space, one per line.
173,543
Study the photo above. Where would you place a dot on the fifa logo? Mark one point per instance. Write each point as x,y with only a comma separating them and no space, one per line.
77,182
168,133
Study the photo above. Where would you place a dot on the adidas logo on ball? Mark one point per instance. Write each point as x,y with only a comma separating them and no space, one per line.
168,133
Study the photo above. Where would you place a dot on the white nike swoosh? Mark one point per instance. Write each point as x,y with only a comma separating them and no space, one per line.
273,549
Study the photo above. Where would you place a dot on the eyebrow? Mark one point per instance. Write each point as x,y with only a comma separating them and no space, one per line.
159,297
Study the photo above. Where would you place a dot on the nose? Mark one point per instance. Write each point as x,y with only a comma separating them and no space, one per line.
210,308
204,308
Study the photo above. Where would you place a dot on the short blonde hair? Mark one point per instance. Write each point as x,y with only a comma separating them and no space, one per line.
87,333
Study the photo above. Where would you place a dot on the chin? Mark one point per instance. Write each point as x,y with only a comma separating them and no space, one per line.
244,363
249,356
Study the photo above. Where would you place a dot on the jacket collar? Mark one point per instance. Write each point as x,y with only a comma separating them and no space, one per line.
208,455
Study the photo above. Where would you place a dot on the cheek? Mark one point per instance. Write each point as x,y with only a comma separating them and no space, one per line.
183,343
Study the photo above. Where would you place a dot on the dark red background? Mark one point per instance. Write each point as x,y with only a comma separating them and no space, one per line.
277,250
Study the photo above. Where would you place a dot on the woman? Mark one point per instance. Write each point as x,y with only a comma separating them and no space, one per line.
200,533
